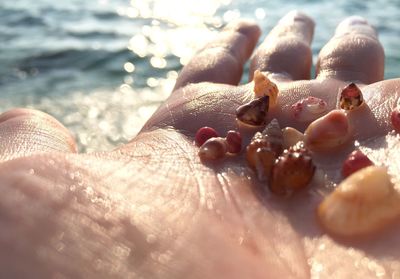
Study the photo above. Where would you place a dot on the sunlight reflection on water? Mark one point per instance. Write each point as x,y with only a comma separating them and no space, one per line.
102,69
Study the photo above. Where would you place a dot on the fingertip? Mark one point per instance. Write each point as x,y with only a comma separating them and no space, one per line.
355,24
229,50
286,50
247,27
297,15
353,54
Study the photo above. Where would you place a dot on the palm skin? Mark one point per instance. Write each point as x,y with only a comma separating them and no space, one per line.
151,209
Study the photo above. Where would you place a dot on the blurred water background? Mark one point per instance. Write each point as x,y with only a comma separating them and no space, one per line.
102,67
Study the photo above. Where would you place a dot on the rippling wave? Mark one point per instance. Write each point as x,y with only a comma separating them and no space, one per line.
106,65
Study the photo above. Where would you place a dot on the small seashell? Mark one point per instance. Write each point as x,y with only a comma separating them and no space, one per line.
258,141
213,149
234,141
291,136
203,134
274,136
271,138
328,132
351,97
264,161
309,109
254,113
354,162
292,171
265,87
395,119
362,204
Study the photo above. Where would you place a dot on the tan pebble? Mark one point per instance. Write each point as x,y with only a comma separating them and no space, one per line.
328,132
213,149
291,136
271,138
265,87
362,204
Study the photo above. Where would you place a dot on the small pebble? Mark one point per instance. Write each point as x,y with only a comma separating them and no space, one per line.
354,162
395,119
234,141
213,149
203,134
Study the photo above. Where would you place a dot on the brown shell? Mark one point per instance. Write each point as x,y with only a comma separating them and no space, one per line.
271,138
293,171
264,160
350,97
254,113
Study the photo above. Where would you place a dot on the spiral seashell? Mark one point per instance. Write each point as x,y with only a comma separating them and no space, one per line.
291,136
274,136
264,161
253,113
265,87
213,149
268,141
328,132
292,171
350,97
362,204
309,109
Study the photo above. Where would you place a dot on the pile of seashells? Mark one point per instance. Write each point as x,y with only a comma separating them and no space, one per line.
283,158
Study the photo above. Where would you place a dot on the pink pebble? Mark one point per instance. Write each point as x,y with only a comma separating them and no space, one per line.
203,134
234,141
395,118
354,162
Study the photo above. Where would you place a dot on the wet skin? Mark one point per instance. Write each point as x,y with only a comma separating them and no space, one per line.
151,209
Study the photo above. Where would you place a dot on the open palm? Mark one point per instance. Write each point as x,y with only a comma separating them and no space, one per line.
151,209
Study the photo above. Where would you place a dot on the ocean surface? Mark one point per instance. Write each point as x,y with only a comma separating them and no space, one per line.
103,67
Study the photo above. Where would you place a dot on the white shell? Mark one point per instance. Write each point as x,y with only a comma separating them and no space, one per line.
363,203
291,136
308,109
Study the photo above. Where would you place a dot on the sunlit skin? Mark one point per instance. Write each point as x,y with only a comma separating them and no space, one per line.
151,209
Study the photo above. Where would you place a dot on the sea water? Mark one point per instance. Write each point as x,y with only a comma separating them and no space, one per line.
103,67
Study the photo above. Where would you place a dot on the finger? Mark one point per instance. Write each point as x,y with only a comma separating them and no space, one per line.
286,49
353,54
26,132
221,61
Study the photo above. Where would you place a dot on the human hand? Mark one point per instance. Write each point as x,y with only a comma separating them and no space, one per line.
151,209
